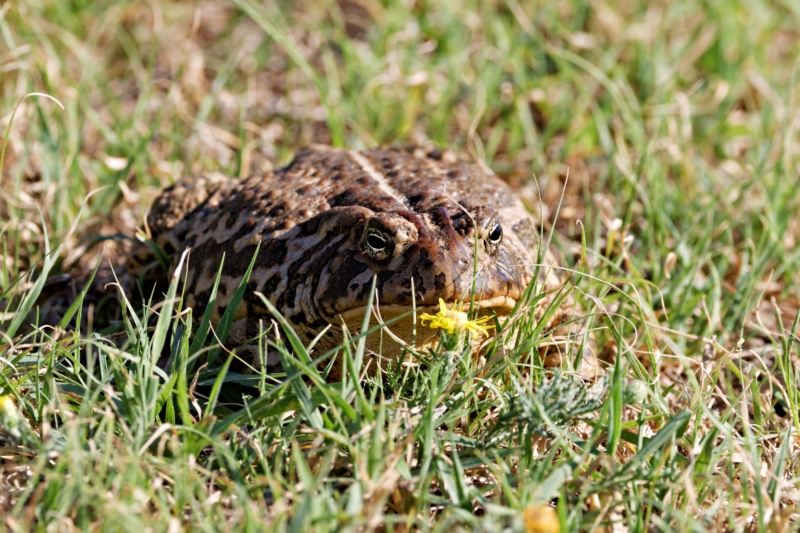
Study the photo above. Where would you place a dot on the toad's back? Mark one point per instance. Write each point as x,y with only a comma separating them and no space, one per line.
335,219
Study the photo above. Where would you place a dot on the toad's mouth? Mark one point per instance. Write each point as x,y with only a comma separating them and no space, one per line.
502,305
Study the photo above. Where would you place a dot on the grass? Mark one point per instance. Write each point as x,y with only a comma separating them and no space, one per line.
675,123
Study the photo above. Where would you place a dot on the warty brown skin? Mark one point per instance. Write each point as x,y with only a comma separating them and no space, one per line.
330,222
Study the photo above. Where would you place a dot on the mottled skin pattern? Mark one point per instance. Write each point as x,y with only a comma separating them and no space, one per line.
334,219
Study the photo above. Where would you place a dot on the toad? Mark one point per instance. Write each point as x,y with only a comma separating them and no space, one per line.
419,223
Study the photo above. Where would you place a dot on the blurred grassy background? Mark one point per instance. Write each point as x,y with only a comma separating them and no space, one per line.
675,121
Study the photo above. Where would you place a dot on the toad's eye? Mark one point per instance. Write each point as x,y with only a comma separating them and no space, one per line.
495,234
378,244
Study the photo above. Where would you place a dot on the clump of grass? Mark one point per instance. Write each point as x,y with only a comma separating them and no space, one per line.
675,124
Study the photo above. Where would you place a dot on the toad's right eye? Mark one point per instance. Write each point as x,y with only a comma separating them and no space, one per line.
378,245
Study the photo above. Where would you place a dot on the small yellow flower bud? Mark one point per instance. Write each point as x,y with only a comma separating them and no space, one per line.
540,519
7,407
9,416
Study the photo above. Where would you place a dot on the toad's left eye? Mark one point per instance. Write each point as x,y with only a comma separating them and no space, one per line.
495,234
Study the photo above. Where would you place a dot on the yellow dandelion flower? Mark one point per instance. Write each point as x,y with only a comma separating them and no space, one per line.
540,519
455,320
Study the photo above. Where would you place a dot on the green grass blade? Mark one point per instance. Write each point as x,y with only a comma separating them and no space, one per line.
301,390
205,323
165,318
214,396
665,435
79,300
49,261
225,323
779,462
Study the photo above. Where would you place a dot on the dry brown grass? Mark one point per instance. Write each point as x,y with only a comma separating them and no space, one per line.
675,122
